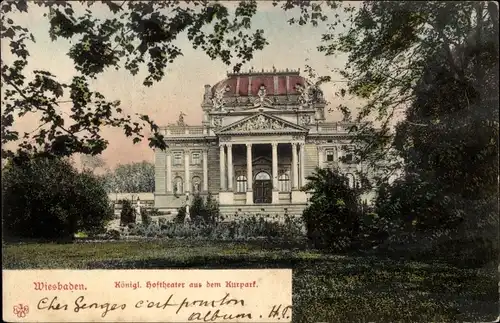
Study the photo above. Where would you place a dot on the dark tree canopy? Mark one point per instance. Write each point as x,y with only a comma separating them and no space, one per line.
48,198
390,44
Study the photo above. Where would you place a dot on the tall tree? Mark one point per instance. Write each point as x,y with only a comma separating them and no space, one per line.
389,46
131,178
49,198
449,141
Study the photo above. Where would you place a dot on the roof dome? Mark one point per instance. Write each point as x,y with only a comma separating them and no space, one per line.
249,83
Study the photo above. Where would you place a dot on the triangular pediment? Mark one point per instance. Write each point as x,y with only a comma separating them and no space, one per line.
261,123
262,161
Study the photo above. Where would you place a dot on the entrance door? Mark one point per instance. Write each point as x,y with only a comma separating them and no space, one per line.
262,188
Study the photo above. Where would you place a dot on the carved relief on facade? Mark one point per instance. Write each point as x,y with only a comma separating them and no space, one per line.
262,99
216,122
262,93
259,123
305,120
298,137
305,95
218,99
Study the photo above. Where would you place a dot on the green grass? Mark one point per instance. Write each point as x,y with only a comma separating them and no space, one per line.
327,288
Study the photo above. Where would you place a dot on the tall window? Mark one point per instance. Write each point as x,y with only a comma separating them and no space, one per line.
241,183
177,158
330,153
196,158
349,156
178,185
284,183
196,184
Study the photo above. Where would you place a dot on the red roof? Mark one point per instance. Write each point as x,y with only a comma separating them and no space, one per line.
276,83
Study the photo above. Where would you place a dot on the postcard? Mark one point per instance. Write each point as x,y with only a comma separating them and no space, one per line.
250,161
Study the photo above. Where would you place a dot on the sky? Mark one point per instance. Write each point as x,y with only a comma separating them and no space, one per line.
181,90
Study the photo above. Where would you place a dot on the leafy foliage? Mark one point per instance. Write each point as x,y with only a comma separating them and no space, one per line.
133,35
131,178
49,199
181,215
333,215
204,210
128,214
146,217
449,142
389,47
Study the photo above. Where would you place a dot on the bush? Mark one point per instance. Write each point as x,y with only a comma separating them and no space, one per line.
248,227
147,215
204,210
332,219
181,215
113,234
128,213
47,198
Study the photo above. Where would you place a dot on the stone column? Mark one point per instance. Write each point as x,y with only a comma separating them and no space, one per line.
275,165
321,153
230,167
295,168
275,194
187,179
222,168
302,162
249,175
205,170
169,171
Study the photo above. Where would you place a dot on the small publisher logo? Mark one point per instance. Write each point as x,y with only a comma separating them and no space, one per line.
21,310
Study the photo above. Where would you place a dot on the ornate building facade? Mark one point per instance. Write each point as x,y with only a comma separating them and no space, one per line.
262,134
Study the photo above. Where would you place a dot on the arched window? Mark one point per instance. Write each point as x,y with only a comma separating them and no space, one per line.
178,185
262,176
196,184
350,179
284,183
241,183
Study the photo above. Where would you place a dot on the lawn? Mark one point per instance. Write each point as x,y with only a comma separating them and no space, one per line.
327,288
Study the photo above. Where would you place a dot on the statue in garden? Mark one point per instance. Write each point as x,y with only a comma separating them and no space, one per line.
138,207
187,218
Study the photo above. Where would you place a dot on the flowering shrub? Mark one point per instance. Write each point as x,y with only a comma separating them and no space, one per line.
242,228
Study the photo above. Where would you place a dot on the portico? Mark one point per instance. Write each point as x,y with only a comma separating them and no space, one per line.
263,185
